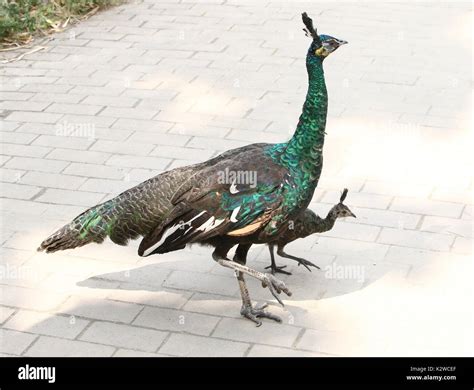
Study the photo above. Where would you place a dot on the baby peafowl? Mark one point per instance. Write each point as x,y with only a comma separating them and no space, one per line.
306,224
193,204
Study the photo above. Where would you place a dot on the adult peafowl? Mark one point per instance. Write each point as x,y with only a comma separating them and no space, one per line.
193,204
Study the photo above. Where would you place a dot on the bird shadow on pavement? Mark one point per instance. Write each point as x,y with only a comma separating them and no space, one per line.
192,281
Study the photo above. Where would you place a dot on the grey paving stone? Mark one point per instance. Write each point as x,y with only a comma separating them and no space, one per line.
27,298
54,347
5,313
31,116
267,351
100,309
243,330
176,320
19,191
46,324
202,282
69,142
36,164
80,198
13,342
16,138
95,170
426,206
124,336
127,161
85,156
24,150
189,345
423,240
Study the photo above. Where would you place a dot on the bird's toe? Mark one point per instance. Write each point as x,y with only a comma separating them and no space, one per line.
254,313
275,286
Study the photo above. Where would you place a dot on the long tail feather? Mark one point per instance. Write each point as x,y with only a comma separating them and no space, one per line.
90,226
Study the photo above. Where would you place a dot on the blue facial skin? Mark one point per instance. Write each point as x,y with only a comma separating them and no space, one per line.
330,44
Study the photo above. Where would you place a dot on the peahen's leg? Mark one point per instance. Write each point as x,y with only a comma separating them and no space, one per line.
247,310
300,260
275,269
221,250
241,253
268,280
275,286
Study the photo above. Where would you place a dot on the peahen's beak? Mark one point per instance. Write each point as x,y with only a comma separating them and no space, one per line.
341,42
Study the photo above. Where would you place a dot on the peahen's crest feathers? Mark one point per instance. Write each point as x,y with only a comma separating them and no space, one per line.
310,31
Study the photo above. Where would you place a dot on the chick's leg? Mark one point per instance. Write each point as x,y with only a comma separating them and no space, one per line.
300,260
274,268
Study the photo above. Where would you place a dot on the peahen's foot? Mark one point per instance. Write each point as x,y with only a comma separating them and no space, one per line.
275,269
275,286
254,313
307,264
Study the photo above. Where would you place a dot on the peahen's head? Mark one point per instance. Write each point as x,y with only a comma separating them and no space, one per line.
322,45
340,210
329,45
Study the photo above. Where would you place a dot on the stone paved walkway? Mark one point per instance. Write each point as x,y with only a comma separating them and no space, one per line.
153,85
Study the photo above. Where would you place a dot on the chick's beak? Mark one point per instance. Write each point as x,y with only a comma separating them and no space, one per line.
352,214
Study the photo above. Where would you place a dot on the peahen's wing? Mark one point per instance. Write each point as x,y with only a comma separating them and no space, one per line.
135,212
236,196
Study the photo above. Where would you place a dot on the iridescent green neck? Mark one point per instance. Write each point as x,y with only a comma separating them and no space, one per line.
305,147
308,139
302,154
